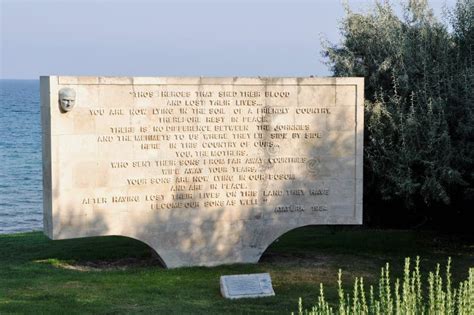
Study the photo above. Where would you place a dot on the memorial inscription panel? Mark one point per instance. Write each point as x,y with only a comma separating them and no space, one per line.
206,171
246,286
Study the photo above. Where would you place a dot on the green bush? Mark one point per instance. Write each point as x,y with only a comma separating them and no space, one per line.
400,297
419,113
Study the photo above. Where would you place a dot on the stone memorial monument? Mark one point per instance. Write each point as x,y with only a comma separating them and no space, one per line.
206,171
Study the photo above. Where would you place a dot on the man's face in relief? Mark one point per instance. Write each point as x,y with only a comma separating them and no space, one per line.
67,99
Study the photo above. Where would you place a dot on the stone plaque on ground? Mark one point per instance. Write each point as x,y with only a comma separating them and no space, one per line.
246,286
206,171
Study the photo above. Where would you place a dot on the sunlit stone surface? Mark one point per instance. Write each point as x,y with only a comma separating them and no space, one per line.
206,171
246,286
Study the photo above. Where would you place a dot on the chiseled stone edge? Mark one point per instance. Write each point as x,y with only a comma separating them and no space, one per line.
359,147
112,80
47,84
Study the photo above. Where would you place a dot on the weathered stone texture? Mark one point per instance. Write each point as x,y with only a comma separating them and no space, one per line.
206,171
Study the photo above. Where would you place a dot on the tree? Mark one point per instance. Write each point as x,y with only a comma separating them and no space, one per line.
419,151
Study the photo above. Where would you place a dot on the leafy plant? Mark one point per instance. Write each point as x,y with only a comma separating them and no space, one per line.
405,296
419,113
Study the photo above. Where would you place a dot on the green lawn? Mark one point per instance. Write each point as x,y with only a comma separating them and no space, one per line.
115,275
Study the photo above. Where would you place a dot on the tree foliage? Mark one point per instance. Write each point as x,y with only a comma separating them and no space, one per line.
419,148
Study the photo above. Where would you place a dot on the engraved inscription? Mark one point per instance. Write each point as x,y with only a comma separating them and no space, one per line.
201,166
215,144
244,285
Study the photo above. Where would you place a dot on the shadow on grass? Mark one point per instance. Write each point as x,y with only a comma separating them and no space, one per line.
92,252
310,245
38,275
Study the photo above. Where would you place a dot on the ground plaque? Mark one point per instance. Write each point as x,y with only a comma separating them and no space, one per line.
206,171
246,286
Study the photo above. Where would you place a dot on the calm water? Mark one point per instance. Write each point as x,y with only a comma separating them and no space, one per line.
20,157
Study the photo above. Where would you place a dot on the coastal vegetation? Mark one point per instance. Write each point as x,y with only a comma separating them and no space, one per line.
105,275
405,296
419,111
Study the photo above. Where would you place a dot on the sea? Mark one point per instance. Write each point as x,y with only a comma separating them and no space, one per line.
21,201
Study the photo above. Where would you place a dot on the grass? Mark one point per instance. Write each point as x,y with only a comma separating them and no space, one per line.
121,276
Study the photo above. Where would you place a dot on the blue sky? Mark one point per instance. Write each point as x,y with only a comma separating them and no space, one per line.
170,38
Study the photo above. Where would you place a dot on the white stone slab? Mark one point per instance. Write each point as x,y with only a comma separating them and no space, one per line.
246,286
206,171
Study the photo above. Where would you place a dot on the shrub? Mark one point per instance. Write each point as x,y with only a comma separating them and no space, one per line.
419,76
405,296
